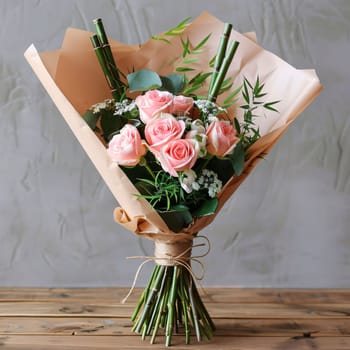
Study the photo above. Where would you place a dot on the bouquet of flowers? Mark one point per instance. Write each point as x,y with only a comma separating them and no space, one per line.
174,127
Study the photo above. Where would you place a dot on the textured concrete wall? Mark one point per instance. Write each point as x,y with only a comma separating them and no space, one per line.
288,224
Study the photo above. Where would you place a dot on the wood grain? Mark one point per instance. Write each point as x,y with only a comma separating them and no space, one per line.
93,318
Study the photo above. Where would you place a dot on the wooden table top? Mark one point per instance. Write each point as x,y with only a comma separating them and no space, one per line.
93,318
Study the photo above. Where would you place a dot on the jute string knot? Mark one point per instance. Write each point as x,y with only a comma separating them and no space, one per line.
171,254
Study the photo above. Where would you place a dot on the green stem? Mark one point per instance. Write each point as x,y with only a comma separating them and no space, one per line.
194,311
185,305
208,158
138,306
157,308
171,307
150,297
143,297
150,171
203,308
159,316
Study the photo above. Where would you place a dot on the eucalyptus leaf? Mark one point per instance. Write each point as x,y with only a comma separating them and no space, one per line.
110,124
208,207
238,158
173,83
143,80
177,217
91,119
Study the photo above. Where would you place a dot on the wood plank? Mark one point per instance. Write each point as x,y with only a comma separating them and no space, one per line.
128,343
218,295
122,327
228,310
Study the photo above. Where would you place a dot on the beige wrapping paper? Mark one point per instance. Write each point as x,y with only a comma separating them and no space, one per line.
74,80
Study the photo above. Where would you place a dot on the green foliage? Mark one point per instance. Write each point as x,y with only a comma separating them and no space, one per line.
189,53
91,118
196,83
175,31
143,80
177,217
237,158
173,83
110,124
252,96
231,98
163,191
208,207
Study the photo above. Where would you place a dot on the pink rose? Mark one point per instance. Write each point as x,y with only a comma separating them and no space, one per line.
221,138
181,105
126,148
177,155
152,103
160,131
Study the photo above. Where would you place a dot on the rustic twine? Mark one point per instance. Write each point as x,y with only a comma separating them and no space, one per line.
171,254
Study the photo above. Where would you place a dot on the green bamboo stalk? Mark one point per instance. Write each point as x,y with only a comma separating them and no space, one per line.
171,306
99,51
110,62
222,72
100,30
221,53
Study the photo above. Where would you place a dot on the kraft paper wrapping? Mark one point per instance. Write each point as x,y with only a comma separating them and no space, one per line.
74,80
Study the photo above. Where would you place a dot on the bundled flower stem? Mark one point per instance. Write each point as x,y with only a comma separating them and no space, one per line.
171,301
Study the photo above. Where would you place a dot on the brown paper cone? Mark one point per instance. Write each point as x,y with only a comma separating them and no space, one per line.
74,80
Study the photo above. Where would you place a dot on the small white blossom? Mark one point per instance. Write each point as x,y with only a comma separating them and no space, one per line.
188,121
197,125
195,186
96,108
199,140
209,110
124,107
212,118
209,180
187,179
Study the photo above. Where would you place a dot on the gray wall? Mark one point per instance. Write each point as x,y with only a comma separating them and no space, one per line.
288,224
